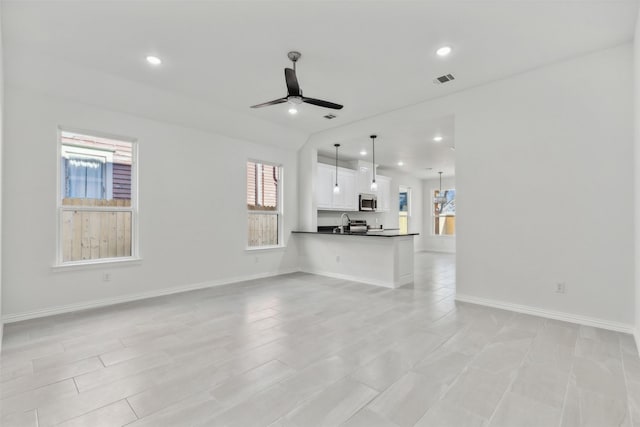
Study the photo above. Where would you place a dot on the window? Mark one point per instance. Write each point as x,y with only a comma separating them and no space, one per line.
444,213
403,209
264,199
96,199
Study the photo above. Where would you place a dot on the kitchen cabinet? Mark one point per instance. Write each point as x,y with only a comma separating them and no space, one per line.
324,186
364,175
347,199
384,193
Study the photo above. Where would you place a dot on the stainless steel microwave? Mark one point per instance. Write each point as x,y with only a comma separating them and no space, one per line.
368,202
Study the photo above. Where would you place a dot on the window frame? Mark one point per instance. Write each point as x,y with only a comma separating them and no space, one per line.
60,208
279,211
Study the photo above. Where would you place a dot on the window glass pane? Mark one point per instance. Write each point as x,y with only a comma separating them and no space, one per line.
262,187
90,235
85,178
404,201
444,213
95,171
263,229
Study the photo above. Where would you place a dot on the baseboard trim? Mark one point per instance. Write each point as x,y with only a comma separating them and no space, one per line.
347,277
437,251
550,314
18,317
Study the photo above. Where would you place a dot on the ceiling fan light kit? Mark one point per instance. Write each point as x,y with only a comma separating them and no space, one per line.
294,93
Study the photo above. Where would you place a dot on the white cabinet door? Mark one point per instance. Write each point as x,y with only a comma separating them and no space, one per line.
384,193
324,186
348,199
326,199
364,176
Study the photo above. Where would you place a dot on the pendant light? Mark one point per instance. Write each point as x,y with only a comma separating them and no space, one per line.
336,188
440,199
374,184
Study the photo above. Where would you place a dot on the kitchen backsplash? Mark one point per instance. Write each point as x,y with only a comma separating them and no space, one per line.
333,218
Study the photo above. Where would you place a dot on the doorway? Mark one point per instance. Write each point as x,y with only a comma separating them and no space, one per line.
404,209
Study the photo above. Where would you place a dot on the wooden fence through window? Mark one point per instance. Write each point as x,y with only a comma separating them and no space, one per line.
88,234
263,230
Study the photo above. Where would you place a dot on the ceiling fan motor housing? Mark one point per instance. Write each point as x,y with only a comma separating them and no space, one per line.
294,55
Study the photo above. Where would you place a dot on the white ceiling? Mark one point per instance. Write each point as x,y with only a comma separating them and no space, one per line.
412,144
373,57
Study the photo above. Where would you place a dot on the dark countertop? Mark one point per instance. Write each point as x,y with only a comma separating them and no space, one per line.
385,233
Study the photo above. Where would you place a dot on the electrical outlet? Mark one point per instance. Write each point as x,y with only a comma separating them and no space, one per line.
106,277
338,259
561,288
256,260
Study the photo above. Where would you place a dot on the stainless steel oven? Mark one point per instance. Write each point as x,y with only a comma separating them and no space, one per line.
368,202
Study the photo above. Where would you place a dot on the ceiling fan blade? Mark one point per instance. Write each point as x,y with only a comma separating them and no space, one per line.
321,103
274,102
293,88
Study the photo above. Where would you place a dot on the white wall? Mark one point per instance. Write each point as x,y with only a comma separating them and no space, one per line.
541,150
431,241
192,207
307,162
553,142
1,171
636,84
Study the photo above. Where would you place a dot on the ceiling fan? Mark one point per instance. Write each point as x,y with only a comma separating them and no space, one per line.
294,93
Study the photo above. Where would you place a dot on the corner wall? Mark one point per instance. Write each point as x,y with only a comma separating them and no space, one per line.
1,172
636,117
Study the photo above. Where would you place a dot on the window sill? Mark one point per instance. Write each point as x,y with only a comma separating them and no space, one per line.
109,262
264,248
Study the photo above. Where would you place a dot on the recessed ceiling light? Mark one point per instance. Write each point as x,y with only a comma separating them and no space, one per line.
437,138
400,163
293,110
154,60
443,51
363,152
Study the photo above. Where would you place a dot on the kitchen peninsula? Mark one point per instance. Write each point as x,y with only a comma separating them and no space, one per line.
381,258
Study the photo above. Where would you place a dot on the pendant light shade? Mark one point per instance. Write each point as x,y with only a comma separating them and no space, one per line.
336,188
440,199
374,184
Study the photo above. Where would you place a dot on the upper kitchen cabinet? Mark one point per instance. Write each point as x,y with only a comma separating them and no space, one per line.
364,173
324,189
384,193
326,199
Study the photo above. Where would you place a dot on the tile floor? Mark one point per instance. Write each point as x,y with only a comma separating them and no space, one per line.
304,350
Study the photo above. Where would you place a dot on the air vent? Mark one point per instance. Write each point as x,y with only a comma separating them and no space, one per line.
329,116
443,79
